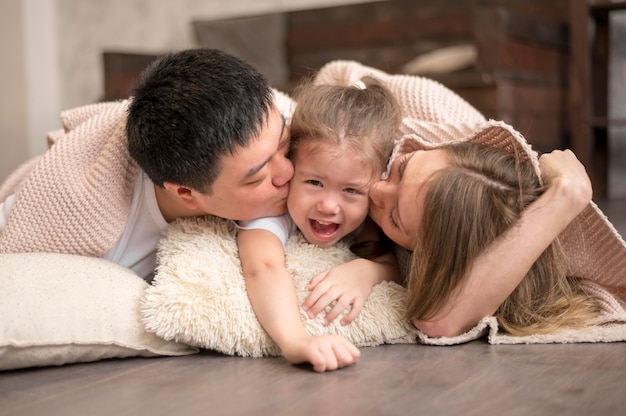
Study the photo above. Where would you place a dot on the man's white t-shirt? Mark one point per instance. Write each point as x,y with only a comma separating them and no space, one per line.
5,209
136,248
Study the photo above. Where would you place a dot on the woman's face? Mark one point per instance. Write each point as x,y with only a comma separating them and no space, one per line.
397,203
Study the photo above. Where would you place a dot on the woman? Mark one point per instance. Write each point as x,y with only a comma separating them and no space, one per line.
478,222
467,277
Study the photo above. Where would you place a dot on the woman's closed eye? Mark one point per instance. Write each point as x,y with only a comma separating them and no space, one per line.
402,164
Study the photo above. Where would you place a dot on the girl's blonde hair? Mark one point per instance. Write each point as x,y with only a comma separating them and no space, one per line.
470,203
365,117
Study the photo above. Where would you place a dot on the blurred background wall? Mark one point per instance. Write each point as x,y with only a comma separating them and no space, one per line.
53,56
51,53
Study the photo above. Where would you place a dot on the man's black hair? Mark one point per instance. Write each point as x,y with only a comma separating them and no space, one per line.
189,109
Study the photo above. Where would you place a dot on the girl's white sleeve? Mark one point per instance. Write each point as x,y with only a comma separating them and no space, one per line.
281,226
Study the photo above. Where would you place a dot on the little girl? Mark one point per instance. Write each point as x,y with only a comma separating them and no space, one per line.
341,138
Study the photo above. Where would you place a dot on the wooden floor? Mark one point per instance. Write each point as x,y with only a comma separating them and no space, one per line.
469,379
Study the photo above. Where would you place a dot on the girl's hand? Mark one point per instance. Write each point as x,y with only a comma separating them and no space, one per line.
323,352
349,284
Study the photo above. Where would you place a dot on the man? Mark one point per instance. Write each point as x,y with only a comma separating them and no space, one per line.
201,135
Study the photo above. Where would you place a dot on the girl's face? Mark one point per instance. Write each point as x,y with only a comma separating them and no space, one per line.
398,202
328,195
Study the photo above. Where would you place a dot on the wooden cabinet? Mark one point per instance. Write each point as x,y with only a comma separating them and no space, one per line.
588,93
519,76
121,72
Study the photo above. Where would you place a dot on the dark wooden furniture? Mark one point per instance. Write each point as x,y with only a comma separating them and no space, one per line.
520,74
588,88
121,72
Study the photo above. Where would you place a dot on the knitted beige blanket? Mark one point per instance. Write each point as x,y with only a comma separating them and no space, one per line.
76,197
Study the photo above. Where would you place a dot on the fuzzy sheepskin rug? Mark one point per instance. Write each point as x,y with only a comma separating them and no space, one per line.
199,297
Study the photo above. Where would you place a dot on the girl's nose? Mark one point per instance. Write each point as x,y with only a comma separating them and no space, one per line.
328,205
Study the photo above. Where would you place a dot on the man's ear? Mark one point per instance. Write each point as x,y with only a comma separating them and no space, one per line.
183,193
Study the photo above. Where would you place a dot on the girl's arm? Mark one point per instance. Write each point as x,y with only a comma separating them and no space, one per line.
273,299
496,273
350,284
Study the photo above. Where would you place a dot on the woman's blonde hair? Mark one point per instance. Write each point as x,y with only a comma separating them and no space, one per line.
470,203
364,116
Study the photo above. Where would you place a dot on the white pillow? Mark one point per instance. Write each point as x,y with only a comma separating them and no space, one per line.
199,297
60,308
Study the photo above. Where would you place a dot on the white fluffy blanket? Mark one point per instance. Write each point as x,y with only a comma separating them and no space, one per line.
199,296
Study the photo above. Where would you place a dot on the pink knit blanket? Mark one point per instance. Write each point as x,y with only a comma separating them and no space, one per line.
76,198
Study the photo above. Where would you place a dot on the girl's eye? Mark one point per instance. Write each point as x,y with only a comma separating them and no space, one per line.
351,191
313,182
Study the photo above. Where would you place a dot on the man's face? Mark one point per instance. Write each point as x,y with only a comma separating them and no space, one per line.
254,181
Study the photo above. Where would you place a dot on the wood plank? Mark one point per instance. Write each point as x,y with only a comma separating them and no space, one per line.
121,72
384,10
579,82
518,56
259,40
604,7
384,34
588,67
479,88
504,23
549,10
389,58
473,378
531,98
376,31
